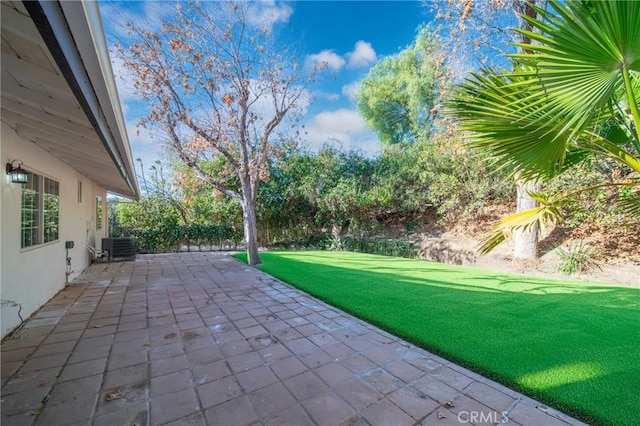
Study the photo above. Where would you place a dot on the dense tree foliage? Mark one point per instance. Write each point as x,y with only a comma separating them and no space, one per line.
398,96
331,193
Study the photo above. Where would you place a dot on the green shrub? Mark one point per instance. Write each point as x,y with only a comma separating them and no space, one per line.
578,257
382,246
174,238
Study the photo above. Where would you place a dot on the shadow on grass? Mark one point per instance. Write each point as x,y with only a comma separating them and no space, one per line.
574,346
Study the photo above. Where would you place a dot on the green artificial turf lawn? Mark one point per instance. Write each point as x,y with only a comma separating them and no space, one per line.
572,345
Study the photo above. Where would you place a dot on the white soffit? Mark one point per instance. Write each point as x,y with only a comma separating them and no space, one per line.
40,106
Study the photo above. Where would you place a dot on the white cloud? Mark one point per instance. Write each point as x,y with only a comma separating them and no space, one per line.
333,60
362,55
146,144
113,18
124,79
261,14
264,107
267,13
142,135
327,95
155,13
349,90
152,14
344,126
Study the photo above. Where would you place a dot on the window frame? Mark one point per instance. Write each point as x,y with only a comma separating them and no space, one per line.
31,212
80,191
41,213
99,212
50,210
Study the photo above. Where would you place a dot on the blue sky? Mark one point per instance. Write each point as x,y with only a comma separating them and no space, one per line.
350,35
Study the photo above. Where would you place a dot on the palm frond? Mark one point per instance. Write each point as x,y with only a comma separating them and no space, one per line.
524,220
629,199
505,115
573,93
585,49
630,203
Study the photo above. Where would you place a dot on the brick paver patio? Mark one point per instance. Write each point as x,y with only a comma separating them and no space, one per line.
200,338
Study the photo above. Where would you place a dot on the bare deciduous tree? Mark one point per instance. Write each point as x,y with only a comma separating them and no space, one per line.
218,87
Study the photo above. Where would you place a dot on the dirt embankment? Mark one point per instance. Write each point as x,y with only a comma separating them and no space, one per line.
616,252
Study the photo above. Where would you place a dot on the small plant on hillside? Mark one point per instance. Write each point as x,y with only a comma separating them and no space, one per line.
335,243
578,257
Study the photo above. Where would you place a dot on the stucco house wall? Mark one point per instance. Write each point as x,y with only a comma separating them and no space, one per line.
31,276
61,118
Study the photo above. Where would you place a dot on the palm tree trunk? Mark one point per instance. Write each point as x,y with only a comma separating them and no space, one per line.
525,242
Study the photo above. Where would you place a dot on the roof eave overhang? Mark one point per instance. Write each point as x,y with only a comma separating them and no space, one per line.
88,74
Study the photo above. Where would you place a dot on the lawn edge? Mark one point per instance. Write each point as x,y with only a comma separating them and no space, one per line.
577,412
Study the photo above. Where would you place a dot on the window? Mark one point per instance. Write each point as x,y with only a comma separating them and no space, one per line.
31,211
40,210
79,191
51,211
98,212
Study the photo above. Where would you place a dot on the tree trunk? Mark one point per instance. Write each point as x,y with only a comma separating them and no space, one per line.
526,242
250,229
249,193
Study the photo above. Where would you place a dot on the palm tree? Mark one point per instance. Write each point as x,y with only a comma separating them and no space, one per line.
575,92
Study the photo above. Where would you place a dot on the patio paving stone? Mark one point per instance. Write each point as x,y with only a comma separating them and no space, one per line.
170,383
44,362
489,396
97,322
413,402
80,410
219,391
126,376
202,339
174,406
286,367
136,413
127,359
385,412
358,394
23,403
208,372
525,414
122,399
238,411
256,378
435,389
68,392
294,416
305,385
26,381
268,401
82,369
333,373
452,378
329,409
89,353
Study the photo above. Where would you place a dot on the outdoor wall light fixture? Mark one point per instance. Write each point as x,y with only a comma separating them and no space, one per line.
18,175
